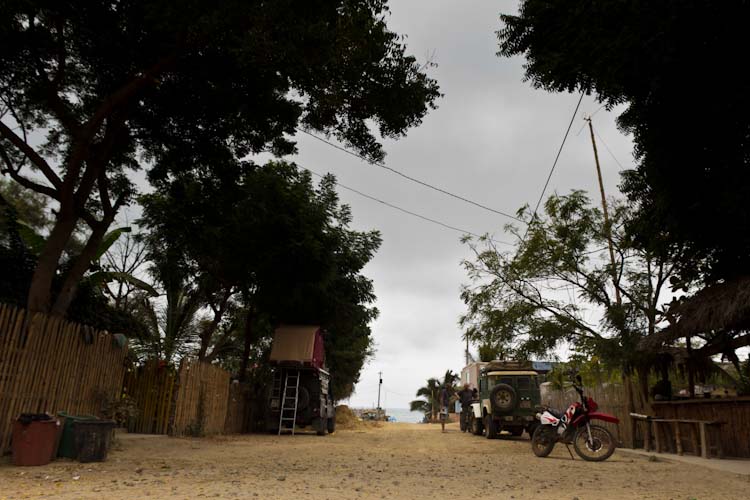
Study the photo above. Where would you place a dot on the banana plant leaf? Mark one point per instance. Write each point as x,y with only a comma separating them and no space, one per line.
100,278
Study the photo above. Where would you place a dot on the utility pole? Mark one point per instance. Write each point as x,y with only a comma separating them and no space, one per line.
607,224
380,376
467,351
618,300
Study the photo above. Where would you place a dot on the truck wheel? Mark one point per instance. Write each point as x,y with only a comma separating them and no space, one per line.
303,398
320,425
476,426
491,427
332,424
503,397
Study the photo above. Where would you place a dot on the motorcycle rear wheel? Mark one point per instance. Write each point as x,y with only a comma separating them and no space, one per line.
543,440
600,448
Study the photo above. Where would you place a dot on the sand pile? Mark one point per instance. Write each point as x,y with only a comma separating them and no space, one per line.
347,419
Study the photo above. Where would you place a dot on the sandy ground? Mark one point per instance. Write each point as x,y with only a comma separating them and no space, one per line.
409,461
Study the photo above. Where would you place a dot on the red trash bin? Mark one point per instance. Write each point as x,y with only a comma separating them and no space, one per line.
34,442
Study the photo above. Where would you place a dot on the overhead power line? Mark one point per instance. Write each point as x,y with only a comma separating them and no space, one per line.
608,150
414,214
557,157
408,177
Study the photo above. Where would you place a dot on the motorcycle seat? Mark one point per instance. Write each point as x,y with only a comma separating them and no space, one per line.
555,413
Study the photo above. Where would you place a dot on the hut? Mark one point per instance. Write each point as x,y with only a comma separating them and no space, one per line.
719,314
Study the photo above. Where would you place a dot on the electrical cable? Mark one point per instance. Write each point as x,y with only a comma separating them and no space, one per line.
552,170
413,179
608,150
414,214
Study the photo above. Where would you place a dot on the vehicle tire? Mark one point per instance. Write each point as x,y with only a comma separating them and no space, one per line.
477,428
491,427
543,440
303,398
503,397
320,425
601,448
332,424
515,431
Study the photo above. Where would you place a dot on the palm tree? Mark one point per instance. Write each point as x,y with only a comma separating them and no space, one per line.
449,380
172,321
428,405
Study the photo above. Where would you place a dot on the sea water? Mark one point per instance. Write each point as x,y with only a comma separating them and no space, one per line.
404,415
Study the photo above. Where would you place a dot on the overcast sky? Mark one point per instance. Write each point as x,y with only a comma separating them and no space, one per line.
493,139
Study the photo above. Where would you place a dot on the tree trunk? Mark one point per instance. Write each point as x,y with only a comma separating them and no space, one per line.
248,344
79,268
40,290
208,334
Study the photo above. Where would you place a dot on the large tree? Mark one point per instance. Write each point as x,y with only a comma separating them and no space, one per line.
93,90
677,66
559,287
273,247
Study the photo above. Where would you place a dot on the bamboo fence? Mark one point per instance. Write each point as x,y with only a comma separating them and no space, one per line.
202,396
50,365
151,386
237,409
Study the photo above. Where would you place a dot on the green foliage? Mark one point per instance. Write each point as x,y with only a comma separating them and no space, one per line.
18,259
661,59
557,288
490,352
265,239
110,87
430,393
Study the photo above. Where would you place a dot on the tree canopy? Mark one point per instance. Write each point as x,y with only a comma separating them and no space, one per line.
91,91
676,66
556,286
270,243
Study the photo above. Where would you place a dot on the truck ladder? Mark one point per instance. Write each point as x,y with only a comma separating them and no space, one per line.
289,400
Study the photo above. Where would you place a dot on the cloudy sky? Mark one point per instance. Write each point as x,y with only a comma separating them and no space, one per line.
493,139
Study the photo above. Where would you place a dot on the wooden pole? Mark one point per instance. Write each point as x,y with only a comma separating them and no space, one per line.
607,224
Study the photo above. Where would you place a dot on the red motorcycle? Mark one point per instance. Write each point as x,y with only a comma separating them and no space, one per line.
591,442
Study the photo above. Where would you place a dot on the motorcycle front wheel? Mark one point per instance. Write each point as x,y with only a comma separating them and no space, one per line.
598,448
543,440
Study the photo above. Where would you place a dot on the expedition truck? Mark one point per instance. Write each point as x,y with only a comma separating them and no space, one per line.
300,391
508,399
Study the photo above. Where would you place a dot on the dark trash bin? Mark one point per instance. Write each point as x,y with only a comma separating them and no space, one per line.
92,439
67,447
34,439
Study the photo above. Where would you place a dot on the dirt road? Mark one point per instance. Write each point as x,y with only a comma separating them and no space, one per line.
408,461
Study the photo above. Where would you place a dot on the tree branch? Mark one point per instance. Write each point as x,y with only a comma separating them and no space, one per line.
32,155
24,181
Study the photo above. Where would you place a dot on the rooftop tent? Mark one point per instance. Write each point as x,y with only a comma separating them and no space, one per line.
299,344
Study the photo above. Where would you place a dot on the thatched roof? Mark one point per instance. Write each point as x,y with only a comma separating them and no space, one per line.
720,307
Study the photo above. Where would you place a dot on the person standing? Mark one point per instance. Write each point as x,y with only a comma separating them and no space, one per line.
444,401
466,396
